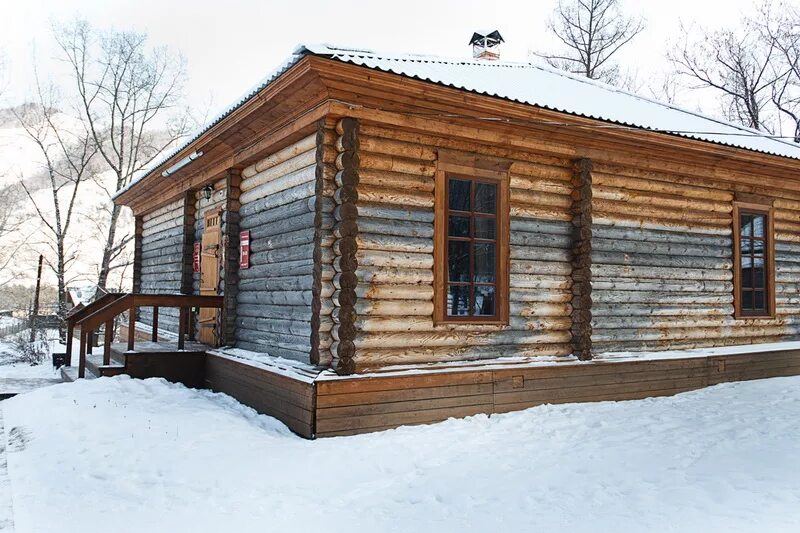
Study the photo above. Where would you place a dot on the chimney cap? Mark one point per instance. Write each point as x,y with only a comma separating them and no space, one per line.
487,37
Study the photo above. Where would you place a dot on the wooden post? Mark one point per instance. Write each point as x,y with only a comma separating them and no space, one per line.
131,327
70,333
348,162
137,255
107,338
181,328
154,335
82,357
582,260
230,256
187,274
89,341
35,309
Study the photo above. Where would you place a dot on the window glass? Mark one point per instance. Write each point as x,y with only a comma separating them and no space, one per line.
472,260
753,275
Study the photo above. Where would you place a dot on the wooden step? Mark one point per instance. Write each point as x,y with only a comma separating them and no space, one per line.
94,364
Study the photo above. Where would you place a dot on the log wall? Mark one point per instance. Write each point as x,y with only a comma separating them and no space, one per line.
393,253
162,260
662,265
279,207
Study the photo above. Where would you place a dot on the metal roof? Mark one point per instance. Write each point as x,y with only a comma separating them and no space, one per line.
526,83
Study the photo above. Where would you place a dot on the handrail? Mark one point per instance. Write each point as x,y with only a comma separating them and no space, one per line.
129,302
73,318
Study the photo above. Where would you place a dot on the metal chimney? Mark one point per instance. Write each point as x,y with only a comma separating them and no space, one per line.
486,45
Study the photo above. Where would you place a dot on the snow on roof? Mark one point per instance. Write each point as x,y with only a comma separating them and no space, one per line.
526,83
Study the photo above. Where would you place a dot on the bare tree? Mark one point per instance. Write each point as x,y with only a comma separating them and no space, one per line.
10,224
67,156
781,28
128,94
737,64
591,33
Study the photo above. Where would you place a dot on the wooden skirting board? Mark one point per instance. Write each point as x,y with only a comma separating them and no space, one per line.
329,405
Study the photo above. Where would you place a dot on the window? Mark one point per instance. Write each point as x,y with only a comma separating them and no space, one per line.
753,255
471,251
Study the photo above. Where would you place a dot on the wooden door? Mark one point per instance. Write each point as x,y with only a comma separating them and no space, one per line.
210,251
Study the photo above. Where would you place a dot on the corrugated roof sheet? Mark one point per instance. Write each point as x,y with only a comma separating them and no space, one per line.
531,84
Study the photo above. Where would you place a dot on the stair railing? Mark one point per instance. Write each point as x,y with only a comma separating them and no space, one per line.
130,302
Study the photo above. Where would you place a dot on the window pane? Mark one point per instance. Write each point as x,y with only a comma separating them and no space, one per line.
746,246
484,228
484,263
458,260
459,192
759,273
747,263
747,299
758,300
758,247
458,227
458,300
746,222
484,301
485,197
758,225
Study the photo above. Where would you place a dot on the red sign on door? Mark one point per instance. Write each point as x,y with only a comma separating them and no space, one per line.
196,257
244,249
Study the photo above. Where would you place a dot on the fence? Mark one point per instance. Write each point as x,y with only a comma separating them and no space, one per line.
13,328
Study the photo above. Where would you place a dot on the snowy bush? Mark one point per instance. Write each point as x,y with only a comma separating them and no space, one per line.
32,353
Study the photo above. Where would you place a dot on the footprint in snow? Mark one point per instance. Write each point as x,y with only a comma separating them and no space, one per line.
18,438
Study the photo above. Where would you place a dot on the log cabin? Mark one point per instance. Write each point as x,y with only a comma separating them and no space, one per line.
399,239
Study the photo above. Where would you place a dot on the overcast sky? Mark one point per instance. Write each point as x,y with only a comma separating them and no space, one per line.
231,44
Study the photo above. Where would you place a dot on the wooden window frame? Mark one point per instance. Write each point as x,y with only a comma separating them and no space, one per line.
481,171
769,263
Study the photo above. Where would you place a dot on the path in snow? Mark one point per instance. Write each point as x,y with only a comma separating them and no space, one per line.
161,457
6,509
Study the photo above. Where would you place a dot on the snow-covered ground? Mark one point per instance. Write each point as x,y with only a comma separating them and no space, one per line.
129,455
10,368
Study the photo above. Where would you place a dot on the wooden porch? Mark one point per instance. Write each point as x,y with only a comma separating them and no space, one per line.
181,360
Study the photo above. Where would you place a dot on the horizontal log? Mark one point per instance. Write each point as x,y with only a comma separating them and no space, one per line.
456,339
398,180
375,258
547,240
393,308
537,309
177,204
424,354
540,199
291,151
600,309
295,297
623,220
286,312
273,325
283,240
680,334
600,178
539,184
395,292
677,236
658,260
278,184
290,268
540,295
370,210
288,225
368,274
298,192
662,200
395,196
652,272
614,208
543,213
639,247
540,253
282,283
532,225
370,160
391,147
633,284
402,228
297,354
550,268
537,281
392,243
654,297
